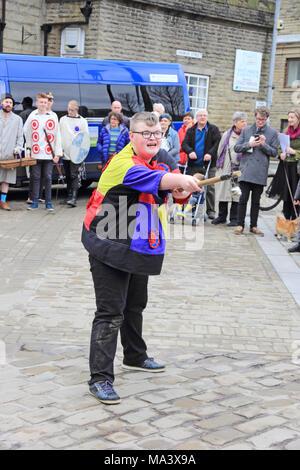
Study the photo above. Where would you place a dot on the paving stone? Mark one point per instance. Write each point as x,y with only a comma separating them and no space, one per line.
173,420
192,445
219,438
60,442
86,417
259,424
157,443
274,437
186,403
220,421
139,416
294,445
119,437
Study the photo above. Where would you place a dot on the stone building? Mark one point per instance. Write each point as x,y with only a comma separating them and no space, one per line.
286,94
21,26
202,35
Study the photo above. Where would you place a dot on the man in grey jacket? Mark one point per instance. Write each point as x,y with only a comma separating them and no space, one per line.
257,143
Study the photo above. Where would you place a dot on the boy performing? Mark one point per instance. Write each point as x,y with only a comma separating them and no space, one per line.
123,232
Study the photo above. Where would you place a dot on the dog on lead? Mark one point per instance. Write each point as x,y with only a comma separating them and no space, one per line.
287,228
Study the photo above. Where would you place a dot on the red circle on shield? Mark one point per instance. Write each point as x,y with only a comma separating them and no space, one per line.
50,137
154,239
35,136
34,124
50,124
35,149
48,150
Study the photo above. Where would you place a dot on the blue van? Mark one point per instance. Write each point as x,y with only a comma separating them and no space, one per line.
95,84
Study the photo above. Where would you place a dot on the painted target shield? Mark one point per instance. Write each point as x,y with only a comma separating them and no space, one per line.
80,147
34,124
50,124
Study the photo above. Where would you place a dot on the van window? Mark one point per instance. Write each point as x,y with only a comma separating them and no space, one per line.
62,92
171,97
95,99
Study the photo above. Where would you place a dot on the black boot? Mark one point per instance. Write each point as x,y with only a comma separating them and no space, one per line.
223,209
72,202
233,215
69,196
295,248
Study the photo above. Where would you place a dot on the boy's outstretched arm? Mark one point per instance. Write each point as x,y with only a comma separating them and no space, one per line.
180,185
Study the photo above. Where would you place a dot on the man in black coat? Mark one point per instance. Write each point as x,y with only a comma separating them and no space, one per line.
201,144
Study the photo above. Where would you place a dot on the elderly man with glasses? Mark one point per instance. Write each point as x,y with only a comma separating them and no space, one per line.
257,143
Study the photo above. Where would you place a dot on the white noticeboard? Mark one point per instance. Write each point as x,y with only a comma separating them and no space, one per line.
247,71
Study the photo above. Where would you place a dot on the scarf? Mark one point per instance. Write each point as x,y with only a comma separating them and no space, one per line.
221,158
293,133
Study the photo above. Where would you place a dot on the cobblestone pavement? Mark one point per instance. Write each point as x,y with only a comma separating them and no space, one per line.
221,319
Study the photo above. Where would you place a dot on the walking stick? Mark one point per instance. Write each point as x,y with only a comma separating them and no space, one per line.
61,177
216,179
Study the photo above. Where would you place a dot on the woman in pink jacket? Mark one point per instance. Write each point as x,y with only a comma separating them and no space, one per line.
188,121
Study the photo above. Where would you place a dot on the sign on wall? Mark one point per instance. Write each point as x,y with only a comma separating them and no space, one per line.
247,71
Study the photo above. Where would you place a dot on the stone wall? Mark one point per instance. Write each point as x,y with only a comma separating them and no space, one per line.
28,14
286,98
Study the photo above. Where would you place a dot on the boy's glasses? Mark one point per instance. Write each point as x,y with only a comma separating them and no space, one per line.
148,134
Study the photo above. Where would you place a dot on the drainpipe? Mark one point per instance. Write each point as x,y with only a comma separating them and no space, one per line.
2,24
273,54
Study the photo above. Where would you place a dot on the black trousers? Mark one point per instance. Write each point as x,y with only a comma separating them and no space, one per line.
71,172
121,298
289,210
256,192
42,172
223,211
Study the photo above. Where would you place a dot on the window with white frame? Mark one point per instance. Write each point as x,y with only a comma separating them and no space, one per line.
198,91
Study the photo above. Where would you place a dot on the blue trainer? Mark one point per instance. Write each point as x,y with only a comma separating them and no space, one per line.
149,365
105,393
49,206
33,206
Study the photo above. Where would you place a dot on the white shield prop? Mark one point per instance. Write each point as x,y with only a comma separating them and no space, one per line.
80,147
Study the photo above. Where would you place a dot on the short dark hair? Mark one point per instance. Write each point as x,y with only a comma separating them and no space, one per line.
188,113
27,100
116,115
263,110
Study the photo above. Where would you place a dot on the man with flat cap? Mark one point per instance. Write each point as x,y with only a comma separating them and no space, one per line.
11,143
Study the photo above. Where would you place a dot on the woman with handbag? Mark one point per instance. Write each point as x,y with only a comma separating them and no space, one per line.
290,158
11,143
228,161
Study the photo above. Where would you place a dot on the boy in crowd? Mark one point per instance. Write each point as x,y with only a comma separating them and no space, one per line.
37,123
